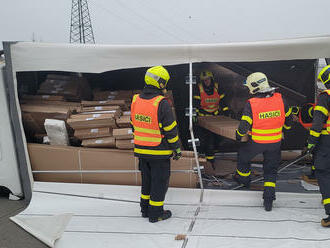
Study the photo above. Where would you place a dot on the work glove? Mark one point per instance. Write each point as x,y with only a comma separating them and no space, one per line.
295,110
227,112
309,148
177,154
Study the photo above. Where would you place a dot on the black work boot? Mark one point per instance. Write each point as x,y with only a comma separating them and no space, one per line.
268,204
144,213
269,197
326,222
144,204
165,215
239,180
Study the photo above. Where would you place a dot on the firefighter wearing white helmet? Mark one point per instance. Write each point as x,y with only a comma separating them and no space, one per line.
319,142
264,116
209,99
156,140
258,83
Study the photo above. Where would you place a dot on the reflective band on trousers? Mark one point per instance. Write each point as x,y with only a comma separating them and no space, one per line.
326,201
145,197
156,203
243,174
153,152
269,184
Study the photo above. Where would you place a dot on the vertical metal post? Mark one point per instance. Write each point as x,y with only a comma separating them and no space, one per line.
191,126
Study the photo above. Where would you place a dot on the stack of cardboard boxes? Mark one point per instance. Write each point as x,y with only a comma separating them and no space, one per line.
94,125
103,126
72,88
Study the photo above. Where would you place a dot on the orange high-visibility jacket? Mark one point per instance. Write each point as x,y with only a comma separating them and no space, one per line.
209,103
144,116
268,117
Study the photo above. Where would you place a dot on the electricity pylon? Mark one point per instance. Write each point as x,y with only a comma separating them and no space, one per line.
81,30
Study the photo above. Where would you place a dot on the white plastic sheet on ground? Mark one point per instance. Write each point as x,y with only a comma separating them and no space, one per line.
109,216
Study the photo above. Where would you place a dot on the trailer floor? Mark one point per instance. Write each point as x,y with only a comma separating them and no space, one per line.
108,216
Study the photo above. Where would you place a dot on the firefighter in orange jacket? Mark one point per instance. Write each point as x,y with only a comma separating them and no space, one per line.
319,142
264,115
155,142
209,99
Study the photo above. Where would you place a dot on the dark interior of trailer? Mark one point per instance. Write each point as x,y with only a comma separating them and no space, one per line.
295,79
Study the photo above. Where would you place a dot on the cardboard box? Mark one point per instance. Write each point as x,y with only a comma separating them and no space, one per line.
182,174
120,103
123,133
71,106
93,133
127,113
71,87
125,144
220,125
34,116
109,159
112,95
116,111
92,122
100,108
124,121
42,98
122,162
100,142
52,158
91,116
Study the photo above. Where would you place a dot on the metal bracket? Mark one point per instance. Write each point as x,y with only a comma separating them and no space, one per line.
197,143
193,112
187,78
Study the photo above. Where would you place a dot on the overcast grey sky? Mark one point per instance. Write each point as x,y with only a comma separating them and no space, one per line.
170,21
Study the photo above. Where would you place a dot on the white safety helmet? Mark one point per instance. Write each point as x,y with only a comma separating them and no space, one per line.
258,83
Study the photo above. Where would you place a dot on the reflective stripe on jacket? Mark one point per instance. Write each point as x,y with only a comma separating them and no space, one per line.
209,103
268,116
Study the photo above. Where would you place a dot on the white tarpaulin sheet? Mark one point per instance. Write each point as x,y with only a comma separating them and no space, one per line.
108,216
28,56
